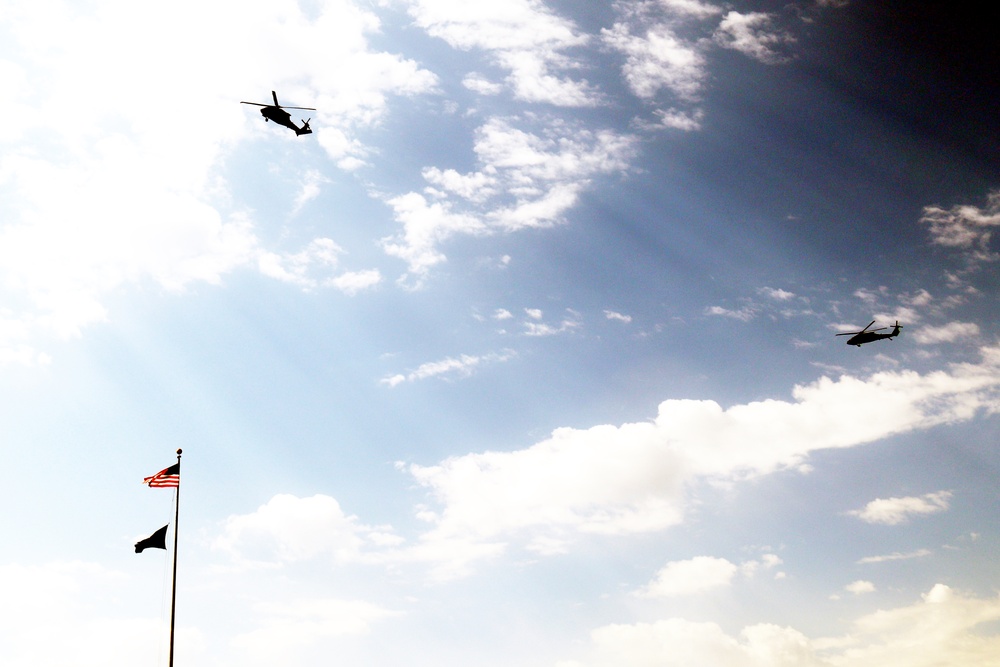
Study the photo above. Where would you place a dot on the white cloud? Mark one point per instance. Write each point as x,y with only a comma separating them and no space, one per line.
687,577
525,180
893,511
537,328
691,8
288,629
965,227
523,37
612,315
353,282
477,83
631,478
676,642
743,314
295,268
288,529
860,587
309,189
136,154
777,294
944,628
462,366
56,599
686,121
947,333
703,573
658,59
896,555
753,35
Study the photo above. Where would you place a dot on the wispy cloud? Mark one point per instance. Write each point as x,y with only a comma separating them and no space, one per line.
896,555
744,314
462,366
536,327
965,227
754,35
612,315
523,37
526,179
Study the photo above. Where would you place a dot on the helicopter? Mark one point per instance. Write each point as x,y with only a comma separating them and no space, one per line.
859,338
277,113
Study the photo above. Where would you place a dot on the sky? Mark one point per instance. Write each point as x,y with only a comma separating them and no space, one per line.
526,356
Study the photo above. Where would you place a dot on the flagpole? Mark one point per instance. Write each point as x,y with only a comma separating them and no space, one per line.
173,587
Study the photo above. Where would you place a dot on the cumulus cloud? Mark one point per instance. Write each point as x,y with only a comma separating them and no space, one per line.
687,577
860,587
944,628
893,511
55,599
627,479
292,628
677,642
141,197
288,529
777,294
701,574
633,478
658,59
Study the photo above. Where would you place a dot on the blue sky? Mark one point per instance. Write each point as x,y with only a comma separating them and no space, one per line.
525,357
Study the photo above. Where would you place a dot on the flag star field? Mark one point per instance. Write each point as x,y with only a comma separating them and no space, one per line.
525,356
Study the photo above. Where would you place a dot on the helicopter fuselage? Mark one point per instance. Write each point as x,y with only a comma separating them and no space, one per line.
870,336
282,117
278,114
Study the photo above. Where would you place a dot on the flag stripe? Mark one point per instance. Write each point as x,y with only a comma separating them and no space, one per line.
168,478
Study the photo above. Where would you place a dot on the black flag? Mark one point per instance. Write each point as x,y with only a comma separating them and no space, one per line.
157,540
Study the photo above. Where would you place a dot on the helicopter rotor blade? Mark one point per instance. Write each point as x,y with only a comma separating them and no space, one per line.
849,333
305,108
275,96
869,324
256,104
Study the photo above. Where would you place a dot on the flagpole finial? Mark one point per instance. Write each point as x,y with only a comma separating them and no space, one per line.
179,452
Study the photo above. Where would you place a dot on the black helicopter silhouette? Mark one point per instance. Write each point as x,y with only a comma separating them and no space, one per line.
277,113
859,338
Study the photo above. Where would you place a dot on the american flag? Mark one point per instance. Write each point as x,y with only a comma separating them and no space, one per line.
168,478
